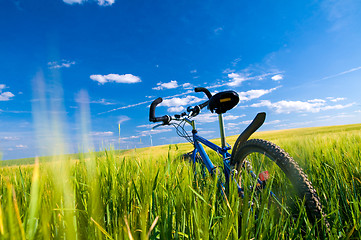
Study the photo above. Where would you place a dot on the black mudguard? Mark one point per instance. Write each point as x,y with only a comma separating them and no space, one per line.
255,124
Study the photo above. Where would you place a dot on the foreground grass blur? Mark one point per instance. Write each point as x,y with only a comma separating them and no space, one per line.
152,193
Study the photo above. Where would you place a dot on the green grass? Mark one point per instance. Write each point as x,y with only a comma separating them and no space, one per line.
44,159
152,193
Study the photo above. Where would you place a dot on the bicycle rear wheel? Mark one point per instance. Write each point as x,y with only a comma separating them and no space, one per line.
279,174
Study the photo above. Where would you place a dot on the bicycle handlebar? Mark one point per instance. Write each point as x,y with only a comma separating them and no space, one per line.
166,118
205,104
205,90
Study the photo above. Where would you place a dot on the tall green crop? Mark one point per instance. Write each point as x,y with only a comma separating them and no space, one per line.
153,193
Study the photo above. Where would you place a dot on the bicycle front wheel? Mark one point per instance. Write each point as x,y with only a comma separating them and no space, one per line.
277,172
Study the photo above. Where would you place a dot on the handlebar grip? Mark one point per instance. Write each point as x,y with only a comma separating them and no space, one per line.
152,109
165,119
205,90
205,104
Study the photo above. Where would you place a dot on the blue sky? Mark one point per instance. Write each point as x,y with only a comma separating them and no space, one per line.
72,70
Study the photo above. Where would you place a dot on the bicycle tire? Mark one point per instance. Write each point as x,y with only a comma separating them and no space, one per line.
189,157
290,168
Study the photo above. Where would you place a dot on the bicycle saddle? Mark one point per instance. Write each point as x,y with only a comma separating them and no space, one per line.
223,101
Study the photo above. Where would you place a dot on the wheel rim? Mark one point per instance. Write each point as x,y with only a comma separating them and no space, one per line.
275,195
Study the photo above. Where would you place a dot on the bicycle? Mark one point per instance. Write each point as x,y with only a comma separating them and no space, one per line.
248,163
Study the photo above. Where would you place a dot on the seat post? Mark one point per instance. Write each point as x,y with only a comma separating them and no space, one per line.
221,128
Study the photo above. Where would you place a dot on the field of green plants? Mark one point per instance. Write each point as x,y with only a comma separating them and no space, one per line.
153,193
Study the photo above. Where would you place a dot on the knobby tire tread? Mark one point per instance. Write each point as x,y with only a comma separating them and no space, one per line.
291,169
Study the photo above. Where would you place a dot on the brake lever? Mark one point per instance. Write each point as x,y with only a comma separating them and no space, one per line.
194,110
178,116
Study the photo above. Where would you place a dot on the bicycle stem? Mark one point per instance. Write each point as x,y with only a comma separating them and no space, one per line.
221,129
191,122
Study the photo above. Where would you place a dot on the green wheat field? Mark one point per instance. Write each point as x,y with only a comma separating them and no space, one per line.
152,193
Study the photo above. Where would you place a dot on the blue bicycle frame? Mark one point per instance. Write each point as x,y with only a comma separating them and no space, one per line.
223,151
199,154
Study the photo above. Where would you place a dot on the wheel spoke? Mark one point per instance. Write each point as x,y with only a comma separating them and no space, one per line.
275,180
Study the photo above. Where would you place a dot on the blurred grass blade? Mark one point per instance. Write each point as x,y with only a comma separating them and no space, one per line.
197,194
155,181
136,192
1,220
152,226
34,202
17,212
101,229
128,228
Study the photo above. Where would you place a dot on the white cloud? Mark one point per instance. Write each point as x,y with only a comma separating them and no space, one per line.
102,134
127,106
333,99
253,94
206,118
236,61
187,86
246,96
246,122
298,106
122,119
100,2
146,126
145,102
272,122
21,146
338,106
205,132
218,30
169,85
236,79
74,1
277,77
105,2
60,64
212,117
14,111
316,101
289,106
102,101
6,96
176,109
228,70
154,131
329,117
232,117
343,73
9,138
177,102
231,126
295,124
125,78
